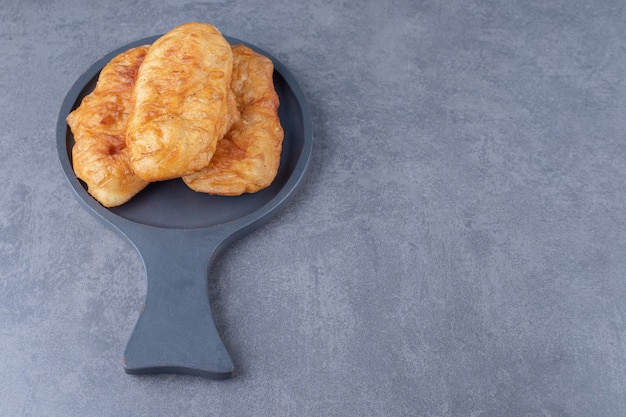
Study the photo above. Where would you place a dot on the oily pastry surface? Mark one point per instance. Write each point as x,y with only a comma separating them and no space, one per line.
100,157
180,102
248,156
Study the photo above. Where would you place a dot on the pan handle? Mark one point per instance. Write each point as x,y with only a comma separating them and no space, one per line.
175,332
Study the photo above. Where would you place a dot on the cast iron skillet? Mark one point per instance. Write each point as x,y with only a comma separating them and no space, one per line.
179,232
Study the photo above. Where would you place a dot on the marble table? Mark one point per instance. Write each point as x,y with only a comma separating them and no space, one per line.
457,249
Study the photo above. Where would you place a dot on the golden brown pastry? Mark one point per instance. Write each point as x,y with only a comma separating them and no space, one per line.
247,158
180,102
100,157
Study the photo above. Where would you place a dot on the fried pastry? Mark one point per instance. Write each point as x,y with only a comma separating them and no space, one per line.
248,156
180,102
100,157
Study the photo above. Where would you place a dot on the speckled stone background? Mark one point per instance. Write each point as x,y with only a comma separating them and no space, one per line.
458,249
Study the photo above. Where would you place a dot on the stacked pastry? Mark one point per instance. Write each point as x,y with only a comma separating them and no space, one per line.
188,106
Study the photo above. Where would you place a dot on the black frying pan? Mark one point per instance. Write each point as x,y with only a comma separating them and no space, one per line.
179,232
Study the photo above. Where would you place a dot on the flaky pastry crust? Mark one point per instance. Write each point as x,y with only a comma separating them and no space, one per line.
180,102
99,156
248,156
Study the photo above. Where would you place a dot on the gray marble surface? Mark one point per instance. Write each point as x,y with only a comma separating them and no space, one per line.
458,249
